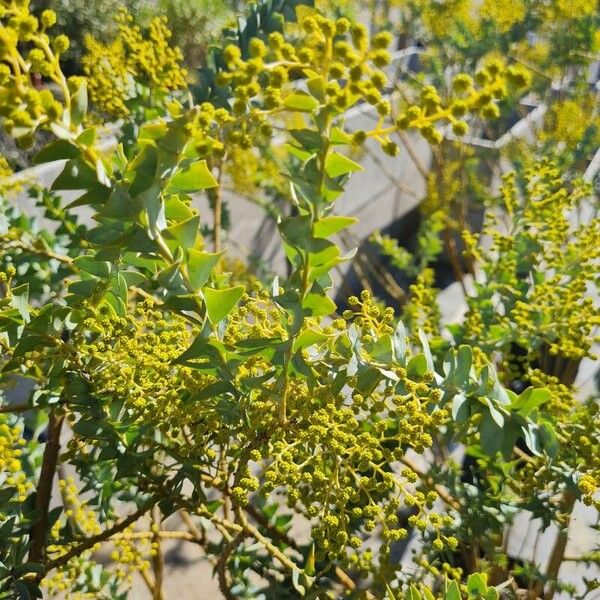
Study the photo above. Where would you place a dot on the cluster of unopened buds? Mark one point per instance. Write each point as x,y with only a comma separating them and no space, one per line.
24,107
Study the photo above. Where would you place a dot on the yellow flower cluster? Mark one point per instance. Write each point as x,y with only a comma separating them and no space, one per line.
366,314
560,312
11,450
332,433
422,310
248,169
6,172
584,442
568,120
562,398
579,438
257,317
23,108
131,358
575,9
129,554
542,268
441,17
82,520
114,69
503,13
443,187
340,66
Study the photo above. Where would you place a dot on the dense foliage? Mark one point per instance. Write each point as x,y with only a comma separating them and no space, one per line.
300,445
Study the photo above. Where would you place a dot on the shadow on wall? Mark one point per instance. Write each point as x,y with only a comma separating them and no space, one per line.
381,275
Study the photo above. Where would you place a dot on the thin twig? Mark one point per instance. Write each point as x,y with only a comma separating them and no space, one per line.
158,563
221,566
441,491
90,542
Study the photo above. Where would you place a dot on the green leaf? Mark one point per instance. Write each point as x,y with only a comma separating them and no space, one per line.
121,206
460,408
88,136
337,164
428,594
200,265
495,439
307,338
464,360
316,86
476,584
303,155
177,209
400,342
200,349
193,178
57,150
79,103
88,264
219,303
6,494
170,277
308,138
339,136
20,300
318,304
94,196
212,390
452,591
531,399
322,252
29,567
296,582
296,231
417,366
182,234
495,413
77,174
301,101
142,169
413,593
548,439
329,225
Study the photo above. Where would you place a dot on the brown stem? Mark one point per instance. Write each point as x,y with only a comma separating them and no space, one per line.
225,475
217,226
216,195
147,579
39,530
198,533
557,555
221,567
413,154
450,245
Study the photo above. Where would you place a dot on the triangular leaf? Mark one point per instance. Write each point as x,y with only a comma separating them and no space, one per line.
193,178
200,265
327,226
219,303
337,164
